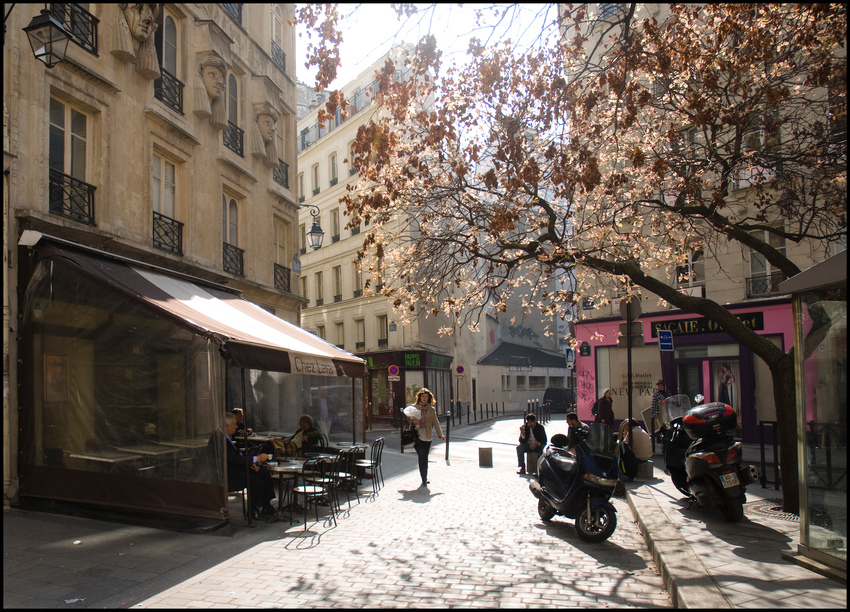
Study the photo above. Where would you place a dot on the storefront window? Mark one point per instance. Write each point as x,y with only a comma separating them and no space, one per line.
823,375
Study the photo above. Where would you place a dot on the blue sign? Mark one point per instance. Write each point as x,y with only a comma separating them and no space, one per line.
665,339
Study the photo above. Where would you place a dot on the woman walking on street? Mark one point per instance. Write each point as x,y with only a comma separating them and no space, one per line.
425,403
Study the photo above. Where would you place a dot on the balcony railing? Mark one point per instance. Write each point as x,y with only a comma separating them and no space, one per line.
355,230
282,278
79,23
352,171
320,302
358,293
335,238
334,181
169,90
233,259
338,297
301,199
233,138
359,346
764,284
383,343
235,11
316,191
167,234
71,198
280,173
278,56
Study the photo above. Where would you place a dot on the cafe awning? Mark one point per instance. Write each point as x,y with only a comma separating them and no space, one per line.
249,336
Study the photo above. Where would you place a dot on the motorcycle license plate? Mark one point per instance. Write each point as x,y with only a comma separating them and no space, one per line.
729,480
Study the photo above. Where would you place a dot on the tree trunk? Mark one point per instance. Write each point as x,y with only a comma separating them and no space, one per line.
784,395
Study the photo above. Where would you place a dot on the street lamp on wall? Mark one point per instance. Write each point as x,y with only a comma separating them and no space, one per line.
48,38
316,234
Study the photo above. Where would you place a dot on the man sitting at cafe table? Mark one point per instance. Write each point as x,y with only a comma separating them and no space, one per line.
259,481
307,438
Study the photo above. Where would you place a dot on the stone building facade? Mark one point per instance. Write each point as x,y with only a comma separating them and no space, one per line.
166,137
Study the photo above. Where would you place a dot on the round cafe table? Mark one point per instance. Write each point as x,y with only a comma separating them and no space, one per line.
281,470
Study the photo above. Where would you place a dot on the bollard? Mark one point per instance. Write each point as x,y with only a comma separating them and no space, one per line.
644,469
485,457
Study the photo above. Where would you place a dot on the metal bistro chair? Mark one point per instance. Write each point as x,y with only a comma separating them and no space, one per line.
374,464
347,473
317,484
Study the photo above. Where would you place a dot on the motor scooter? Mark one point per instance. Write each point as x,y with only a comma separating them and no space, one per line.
703,460
577,482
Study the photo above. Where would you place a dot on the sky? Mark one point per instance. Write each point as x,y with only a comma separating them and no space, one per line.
372,29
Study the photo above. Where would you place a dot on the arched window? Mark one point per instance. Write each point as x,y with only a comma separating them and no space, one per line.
169,46
232,100
229,221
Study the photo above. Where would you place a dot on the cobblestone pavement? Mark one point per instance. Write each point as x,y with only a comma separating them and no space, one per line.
470,539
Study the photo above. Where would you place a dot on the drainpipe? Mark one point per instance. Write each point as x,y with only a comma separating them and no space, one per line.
9,491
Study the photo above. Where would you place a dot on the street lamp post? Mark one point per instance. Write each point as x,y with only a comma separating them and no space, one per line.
316,234
48,38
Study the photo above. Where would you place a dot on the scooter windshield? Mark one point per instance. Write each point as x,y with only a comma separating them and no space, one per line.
600,438
676,406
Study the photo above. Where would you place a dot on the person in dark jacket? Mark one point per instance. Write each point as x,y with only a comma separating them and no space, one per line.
605,410
258,480
532,439
307,438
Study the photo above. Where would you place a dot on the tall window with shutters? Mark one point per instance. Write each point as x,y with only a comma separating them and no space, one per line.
167,231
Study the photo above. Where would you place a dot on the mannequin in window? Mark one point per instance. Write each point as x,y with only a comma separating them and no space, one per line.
209,90
135,39
263,134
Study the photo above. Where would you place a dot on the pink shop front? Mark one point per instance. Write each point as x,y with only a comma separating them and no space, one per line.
704,360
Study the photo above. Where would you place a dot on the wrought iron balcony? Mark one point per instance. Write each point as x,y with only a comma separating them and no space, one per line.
358,293
233,259
235,10
359,346
352,171
169,90
320,302
338,297
233,138
383,343
355,230
167,234
278,56
280,173
335,238
282,278
301,199
79,23
316,191
334,181
764,284
71,198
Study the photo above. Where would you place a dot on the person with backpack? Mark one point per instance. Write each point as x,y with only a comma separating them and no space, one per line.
603,410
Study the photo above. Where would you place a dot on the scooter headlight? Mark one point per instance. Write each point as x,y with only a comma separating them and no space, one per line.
602,482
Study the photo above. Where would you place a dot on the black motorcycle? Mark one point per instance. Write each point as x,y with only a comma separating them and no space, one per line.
577,482
703,460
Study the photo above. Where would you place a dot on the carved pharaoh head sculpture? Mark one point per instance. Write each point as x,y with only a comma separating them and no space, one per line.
141,18
265,128
210,100
213,70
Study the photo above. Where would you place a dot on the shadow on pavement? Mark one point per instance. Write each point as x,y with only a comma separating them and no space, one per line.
419,495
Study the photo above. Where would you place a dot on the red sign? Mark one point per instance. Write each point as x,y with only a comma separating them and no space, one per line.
460,369
393,370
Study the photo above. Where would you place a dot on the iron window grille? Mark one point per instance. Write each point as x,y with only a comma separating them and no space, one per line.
169,90
335,238
320,302
383,342
316,191
764,284
278,56
79,23
235,10
233,259
233,137
355,230
71,198
359,346
334,181
167,234
358,293
282,278
280,173
337,298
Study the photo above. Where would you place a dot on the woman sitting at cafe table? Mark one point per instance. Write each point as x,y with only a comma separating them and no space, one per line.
307,438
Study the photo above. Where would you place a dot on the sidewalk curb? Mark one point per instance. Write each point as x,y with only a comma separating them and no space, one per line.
685,577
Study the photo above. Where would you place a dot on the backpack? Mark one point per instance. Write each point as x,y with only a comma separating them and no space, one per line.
595,408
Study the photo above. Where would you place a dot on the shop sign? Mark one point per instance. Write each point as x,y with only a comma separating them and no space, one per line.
685,327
